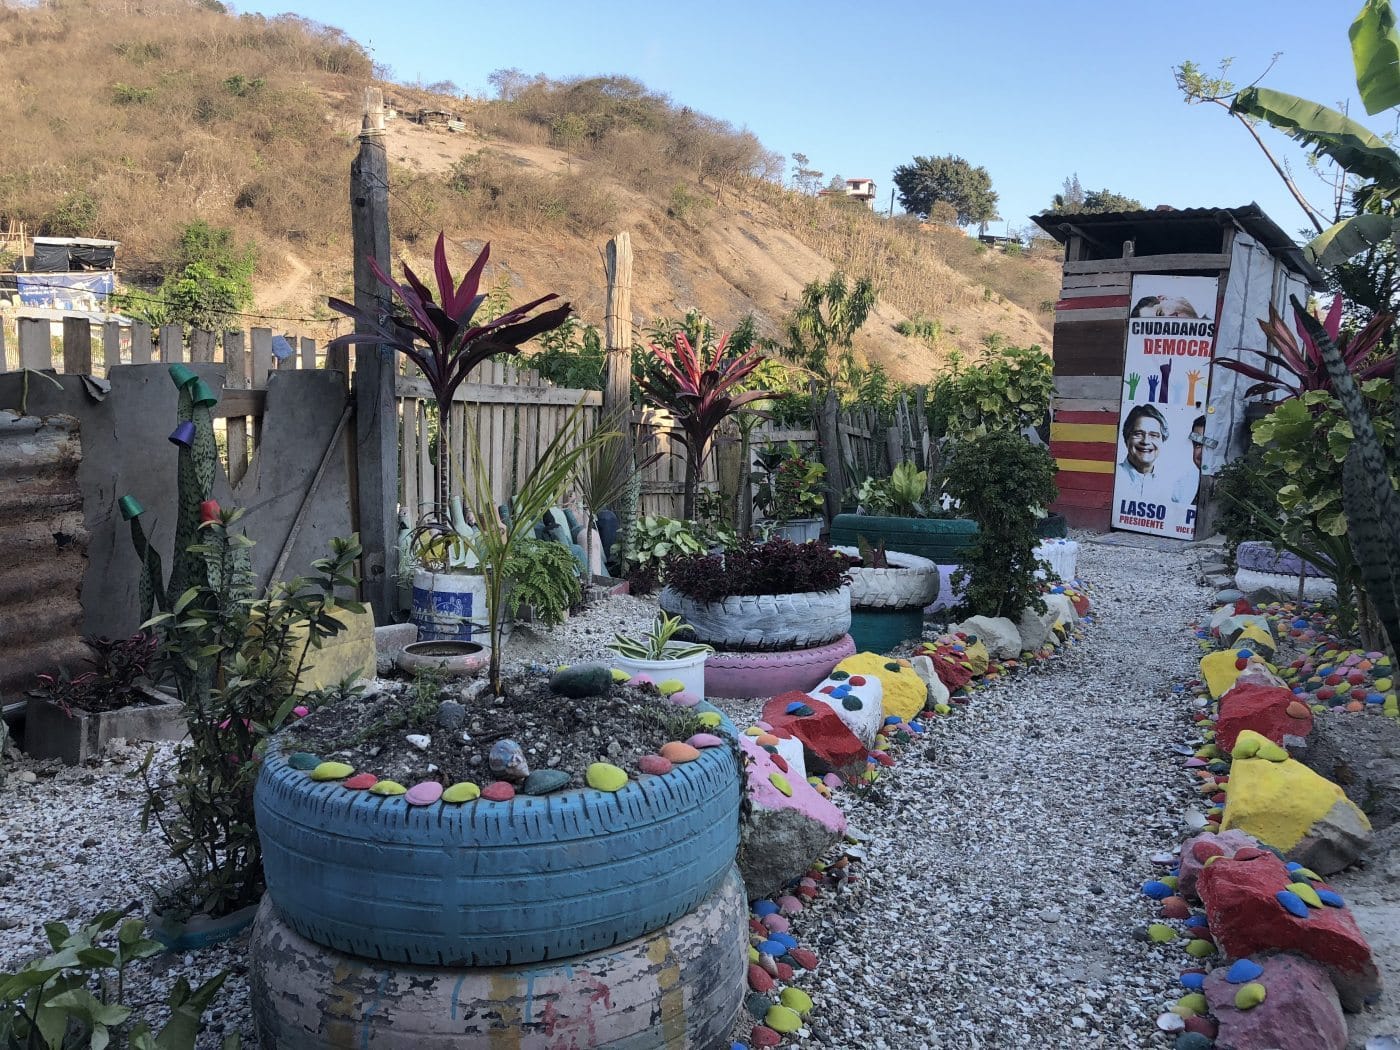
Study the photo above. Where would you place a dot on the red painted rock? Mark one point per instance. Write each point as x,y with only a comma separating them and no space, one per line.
1247,919
360,782
827,741
759,979
1202,1026
1175,907
1262,708
762,1035
804,958
784,972
655,765
882,757
1198,850
1301,1009
498,791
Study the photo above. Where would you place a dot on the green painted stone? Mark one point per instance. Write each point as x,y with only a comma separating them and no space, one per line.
1195,1002
388,787
1271,752
1160,933
1170,880
1199,949
758,1006
1308,874
581,680
781,783
796,1000
1250,995
303,760
604,776
465,791
1307,893
851,703
782,1019
332,771
709,719
669,686
543,781
1192,1041
619,675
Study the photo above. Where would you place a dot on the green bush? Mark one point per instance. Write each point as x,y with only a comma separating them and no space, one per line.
1003,483
1244,488
1008,390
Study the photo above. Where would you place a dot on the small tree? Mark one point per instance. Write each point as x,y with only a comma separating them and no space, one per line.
928,180
825,322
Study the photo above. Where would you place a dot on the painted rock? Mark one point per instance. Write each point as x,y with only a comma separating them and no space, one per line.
762,1035
360,782
678,752
655,765
1299,1007
332,771
543,781
584,680
604,776
423,794
796,1000
803,957
1270,711
760,980
704,740
685,698
303,760
710,719
498,791
465,791
782,1019
388,788
508,762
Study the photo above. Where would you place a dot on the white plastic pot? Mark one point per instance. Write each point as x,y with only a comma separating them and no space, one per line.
799,530
688,670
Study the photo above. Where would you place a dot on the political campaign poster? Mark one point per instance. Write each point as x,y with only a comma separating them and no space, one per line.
1162,423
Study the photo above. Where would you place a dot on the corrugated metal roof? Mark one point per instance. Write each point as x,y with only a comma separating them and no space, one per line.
1249,216
43,548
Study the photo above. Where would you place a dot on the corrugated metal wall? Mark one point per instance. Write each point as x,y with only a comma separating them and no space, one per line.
43,548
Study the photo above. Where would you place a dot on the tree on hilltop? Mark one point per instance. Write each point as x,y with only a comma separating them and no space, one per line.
950,179
1075,201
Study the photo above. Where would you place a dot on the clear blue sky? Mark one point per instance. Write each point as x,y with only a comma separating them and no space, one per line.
1030,89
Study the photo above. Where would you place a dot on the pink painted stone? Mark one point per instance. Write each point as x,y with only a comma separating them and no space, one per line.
301,710
360,782
763,725
641,679
685,698
776,923
1302,1008
704,740
498,791
424,794
831,780
788,904
655,765
1195,763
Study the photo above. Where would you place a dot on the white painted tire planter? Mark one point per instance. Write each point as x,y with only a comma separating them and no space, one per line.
689,670
677,988
765,622
494,883
1284,587
909,582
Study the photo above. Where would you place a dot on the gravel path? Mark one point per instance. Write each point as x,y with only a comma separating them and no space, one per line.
1000,898
1001,894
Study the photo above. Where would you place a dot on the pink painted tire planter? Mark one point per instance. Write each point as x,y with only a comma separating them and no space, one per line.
677,987
736,676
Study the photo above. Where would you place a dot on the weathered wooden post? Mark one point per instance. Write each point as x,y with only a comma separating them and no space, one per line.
617,322
376,413
829,436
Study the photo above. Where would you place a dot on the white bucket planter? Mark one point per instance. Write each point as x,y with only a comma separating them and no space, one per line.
447,606
799,530
688,670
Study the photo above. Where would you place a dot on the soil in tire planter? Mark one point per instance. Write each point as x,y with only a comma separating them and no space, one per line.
370,732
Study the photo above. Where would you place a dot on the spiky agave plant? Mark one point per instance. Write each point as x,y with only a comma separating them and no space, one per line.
1368,494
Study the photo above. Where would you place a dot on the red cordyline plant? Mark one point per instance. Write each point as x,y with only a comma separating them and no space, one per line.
1299,359
437,334
700,390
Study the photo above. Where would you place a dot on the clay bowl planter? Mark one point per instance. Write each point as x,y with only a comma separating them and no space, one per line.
767,643
449,656
887,604
416,879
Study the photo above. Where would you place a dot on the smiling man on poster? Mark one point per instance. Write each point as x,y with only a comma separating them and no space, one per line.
1166,370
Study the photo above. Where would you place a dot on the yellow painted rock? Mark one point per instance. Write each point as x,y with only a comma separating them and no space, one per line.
796,1000
331,771
465,791
709,719
1250,995
1305,891
1200,948
1160,933
977,657
1255,637
669,686
620,676
1219,671
782,1019
1288,806
348,654
904,691
388,787
604,776
1192,1004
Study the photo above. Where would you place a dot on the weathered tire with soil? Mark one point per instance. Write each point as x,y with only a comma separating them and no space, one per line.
734,676
678,987
909,581
1273,586
495,883
764,622
943,541
1260,556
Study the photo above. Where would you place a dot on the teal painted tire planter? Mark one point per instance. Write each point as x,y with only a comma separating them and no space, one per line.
880,630
1052,527
944,541
495,883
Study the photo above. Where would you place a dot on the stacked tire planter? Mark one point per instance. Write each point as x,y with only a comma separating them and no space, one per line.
766,644
389,925
887,605
946,542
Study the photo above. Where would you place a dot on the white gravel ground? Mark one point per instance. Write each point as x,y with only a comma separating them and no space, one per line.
1006,848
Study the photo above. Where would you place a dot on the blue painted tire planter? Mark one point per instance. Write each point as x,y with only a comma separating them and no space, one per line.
943,541
495,883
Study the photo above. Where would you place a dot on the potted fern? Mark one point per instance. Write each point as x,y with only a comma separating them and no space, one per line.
660,656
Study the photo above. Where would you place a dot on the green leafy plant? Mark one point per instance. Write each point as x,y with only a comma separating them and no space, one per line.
543,575
1003,483
1242,484
789,485
1010,389
50,1003
903,494
872,557
658,537
658,644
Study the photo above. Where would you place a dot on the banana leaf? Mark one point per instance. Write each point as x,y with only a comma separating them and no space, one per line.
1348,238
1375,50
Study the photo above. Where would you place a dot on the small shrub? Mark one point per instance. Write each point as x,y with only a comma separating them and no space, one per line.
74,216
118,670
129,95
1002,482
1244,487
777,566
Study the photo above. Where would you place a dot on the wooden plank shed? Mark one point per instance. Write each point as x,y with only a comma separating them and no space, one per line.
1253,263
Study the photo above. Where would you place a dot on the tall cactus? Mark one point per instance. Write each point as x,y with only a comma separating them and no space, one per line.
1368,496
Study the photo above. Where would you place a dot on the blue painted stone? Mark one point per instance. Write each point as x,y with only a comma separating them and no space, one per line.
1197,920
1375,698
1293,865
893,720
303,760
775,947
1292,903
797,708
765,907
1157,890
787,940
1243,971
840,691
1244,654
1194,981
1300,624
916,727
1331,898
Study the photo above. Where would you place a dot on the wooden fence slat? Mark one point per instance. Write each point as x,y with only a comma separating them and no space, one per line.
35,345
5,357
142,345
202,345
111,343
236,378
261,340
308,352
172,347
77,346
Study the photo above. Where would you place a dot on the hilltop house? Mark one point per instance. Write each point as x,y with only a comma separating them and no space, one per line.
857,189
